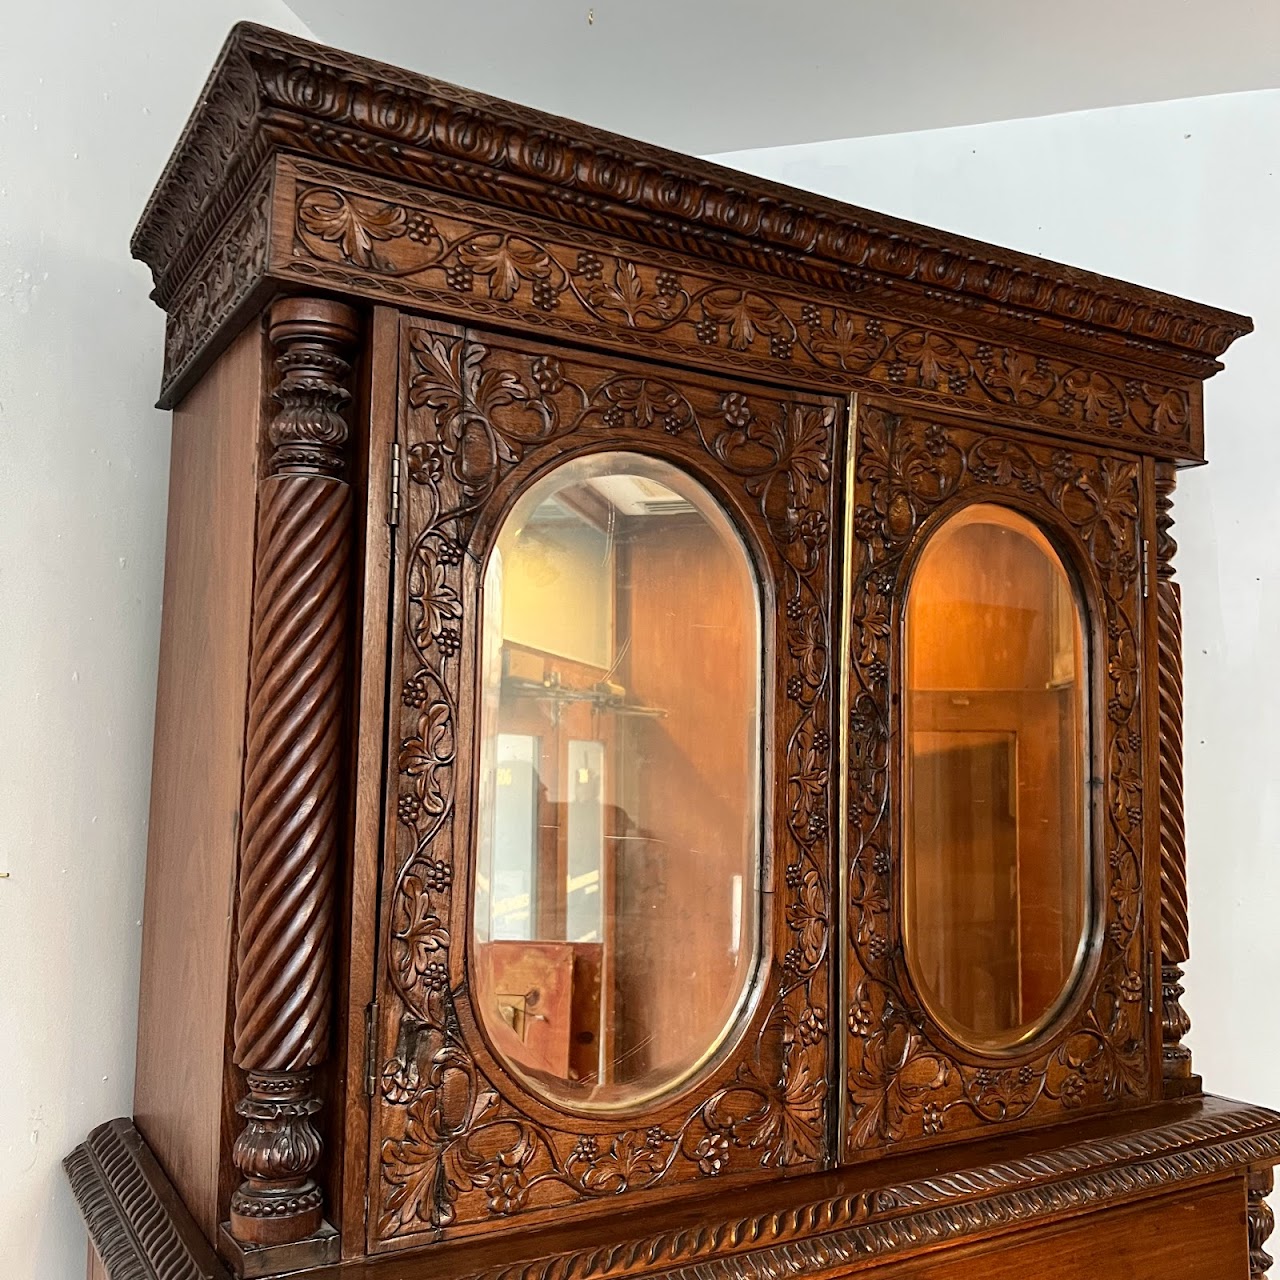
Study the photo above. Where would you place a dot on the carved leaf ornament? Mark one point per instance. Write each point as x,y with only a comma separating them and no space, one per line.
454,1145
906,1081
548,281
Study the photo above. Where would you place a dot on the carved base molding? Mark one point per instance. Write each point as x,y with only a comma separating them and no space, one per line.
138,1225
142,1232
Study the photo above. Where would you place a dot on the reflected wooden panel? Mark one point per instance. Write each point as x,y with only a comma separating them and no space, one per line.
997,867
616,899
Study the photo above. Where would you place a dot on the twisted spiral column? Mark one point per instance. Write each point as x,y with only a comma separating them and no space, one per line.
289,847
1175,946
1261,1221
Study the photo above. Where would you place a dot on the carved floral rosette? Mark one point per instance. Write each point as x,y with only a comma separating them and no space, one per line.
455,1139
906,1081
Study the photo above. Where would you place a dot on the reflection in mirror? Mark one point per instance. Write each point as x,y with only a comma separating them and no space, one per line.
997,861
617,912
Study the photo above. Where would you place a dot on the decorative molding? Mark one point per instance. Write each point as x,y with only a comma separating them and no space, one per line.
459,1142
1261,1220
142,1232
231,274
336,106
271,96
814,1246
1175,946
139,1227
1082,1174
388,241
289,851
905,1080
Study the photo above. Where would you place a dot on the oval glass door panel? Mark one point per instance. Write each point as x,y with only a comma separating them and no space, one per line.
996,865
617,901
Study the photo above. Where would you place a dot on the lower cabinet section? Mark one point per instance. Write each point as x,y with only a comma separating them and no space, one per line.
1198,1234
1180,1198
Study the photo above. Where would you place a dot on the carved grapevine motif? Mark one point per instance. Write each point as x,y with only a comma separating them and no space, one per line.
905,1081
233,266
453,1148
516,266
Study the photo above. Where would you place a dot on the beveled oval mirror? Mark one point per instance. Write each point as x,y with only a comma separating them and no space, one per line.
616,898
997,874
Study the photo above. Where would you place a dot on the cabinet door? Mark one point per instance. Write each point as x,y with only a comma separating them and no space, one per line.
996,949
604,967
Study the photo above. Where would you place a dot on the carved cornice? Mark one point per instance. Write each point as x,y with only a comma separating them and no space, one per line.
272,92
146,1235
232,274
138,1226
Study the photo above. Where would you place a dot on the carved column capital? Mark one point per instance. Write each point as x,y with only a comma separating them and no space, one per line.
289,850
309,433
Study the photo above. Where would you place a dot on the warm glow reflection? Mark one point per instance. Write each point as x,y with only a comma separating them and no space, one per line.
616,894
997,866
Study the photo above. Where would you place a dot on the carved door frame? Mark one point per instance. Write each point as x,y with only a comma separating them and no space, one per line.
455,1141
907,1082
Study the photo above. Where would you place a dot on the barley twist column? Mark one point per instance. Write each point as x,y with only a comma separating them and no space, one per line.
289,848
1175,947
1261,1221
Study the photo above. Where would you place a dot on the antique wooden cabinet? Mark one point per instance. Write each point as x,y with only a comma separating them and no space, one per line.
668,751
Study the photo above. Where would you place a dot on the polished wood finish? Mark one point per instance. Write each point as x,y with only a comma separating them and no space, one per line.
1194,1236
481,291
289,853
760,1111
357,941
872,1214
195,787
1175,943
903,1086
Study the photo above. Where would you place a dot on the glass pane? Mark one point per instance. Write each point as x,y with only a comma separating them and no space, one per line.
997,863
617,904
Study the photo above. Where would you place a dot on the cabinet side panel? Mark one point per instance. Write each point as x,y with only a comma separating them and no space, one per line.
95,1270
196,775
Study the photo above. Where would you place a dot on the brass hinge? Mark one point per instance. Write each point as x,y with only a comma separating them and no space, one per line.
370,1048
1146,568
393,506
1151,981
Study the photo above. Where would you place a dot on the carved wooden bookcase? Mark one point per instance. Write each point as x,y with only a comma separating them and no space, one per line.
395,308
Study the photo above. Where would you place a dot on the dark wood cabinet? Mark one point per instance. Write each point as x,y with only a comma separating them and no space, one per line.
668,746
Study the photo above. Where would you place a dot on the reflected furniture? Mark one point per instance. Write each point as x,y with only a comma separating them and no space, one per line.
668,743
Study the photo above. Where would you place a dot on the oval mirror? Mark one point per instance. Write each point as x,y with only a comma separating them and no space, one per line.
617,869
996,855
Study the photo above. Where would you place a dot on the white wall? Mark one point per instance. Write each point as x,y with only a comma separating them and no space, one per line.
1185,197
92,97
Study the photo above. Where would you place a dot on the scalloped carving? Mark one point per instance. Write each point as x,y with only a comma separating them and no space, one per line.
135,1220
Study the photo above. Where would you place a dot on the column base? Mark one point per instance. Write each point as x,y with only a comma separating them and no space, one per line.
253,1260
